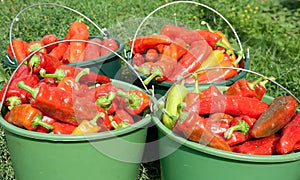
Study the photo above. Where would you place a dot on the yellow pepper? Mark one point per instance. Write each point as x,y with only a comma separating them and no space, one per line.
215,57
88,127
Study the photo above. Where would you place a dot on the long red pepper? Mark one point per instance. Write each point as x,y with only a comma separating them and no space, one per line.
122,119
19,46
213,39
191,61
26,116
275,117
69,71
142,43
63,128
290,136
232,105
42,60
243,87
59,51
262,146
60,104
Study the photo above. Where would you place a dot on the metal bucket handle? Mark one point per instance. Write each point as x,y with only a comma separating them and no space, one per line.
47,4
188,2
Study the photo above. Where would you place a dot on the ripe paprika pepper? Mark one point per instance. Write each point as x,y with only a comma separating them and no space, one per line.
48,39
89,126
121,119
26,116
35,45
19,47
63,128
60,104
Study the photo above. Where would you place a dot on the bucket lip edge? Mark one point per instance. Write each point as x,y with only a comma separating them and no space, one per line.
225,154
67,137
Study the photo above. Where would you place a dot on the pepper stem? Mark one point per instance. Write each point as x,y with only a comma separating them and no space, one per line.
59,74
156,72
240,57
207,25
220,44
195,76
31,90
37,120
83,72
95,119
143,69
34,61
13,101
132,99
105,101
255,82
240,126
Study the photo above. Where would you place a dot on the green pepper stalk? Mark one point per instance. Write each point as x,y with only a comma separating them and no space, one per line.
59,74
37,121
240,126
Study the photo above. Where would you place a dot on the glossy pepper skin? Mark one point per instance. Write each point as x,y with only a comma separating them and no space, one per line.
89,126
69,71
219,123
191,61
42,60
60,104
15,95
262,146
232,105
136,101
213,39
48,39
275,117
242,87
19,46
26,116
290,136
63,128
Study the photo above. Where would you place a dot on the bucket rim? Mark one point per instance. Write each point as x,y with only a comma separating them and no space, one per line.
221,153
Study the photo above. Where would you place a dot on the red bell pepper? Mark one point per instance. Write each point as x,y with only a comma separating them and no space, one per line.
136,101
290,136
275,117
41,60
26,116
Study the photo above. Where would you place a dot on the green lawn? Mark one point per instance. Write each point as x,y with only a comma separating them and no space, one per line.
268,28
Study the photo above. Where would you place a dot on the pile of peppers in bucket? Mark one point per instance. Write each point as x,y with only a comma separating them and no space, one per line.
68,51
235,119
177,51
63,99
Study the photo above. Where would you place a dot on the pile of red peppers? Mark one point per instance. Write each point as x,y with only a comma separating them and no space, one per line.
177,51
66,52
236,119
60,99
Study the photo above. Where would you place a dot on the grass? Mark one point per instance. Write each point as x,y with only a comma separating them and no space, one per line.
270,29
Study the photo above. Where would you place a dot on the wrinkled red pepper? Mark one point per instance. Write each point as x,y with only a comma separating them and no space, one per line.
243,87
290,136
280,112
42,60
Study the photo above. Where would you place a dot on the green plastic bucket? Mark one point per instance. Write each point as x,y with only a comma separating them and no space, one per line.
113,155
107,65
184,159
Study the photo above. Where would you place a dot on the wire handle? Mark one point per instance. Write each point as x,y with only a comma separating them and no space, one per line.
47,4
187,2
238,69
